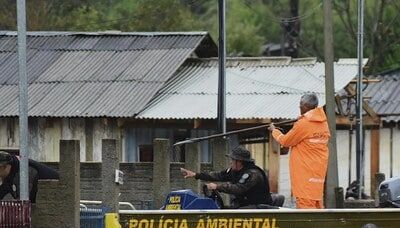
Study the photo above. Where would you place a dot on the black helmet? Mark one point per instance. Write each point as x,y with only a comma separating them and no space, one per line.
5,158
241,154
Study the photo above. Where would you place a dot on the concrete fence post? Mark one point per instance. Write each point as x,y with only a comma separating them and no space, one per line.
161,171
70,180
193,162
379,177
219,148
110,163
339,195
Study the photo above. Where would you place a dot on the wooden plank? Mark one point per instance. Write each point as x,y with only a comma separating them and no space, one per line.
365,105
374,158
196,123
367,121
253,121
273,163
257,153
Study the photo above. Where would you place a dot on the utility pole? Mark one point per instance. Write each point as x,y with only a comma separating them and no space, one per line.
332,175
291,31
23,101
221,68
359,106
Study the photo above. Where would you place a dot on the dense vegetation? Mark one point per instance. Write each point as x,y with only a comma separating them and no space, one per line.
250,23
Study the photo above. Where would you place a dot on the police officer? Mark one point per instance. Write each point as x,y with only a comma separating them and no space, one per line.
9,176
246,181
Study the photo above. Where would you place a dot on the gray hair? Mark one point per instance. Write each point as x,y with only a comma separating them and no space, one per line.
310,100
370,225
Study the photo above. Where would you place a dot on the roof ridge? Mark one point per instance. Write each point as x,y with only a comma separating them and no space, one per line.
105,33
261,61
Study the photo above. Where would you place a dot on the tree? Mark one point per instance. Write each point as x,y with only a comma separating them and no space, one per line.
381,31
250,23
48,14
155,15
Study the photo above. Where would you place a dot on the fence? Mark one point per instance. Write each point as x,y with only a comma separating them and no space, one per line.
92,217
15,214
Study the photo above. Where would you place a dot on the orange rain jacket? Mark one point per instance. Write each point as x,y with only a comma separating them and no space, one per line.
308,162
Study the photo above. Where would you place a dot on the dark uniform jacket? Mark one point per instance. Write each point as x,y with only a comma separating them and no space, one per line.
249,185
10,185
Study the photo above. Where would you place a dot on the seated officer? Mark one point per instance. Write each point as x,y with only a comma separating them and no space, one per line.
9,176
244,180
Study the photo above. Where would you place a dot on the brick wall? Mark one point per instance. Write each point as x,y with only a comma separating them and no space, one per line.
137,187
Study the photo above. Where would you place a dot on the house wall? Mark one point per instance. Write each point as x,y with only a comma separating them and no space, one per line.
389,146
347,162
9,135
389,162
284,180
45,134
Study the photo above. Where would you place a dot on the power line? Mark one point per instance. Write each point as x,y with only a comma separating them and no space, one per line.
126,19
287,19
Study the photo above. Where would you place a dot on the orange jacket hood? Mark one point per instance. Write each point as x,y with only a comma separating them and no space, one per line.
315,115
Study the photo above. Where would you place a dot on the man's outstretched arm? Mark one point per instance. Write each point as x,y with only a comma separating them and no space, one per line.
207,176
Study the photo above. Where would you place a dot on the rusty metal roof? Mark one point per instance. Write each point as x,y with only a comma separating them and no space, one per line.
256,88
113,74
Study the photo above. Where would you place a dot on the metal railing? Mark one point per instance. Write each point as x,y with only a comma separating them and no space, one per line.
15,214
96,202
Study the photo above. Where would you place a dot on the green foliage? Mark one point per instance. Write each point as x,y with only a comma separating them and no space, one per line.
381,32
8,15
243,30
250,23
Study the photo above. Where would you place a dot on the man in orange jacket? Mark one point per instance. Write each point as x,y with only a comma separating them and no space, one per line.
308,140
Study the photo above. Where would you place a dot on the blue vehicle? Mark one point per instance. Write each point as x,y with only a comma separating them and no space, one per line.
188,200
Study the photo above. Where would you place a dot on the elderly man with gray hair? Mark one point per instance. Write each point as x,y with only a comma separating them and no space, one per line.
308,141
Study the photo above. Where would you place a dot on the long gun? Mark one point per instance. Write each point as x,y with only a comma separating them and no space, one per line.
195,140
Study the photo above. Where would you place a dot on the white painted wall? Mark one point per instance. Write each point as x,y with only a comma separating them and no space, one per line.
396,152
385,164
344,163
384,149
284,181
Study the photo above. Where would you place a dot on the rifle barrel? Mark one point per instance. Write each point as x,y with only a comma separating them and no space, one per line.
194,140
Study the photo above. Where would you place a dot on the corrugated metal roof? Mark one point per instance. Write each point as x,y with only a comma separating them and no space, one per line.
256,88
80,99
382,96
385,96
92,74
393,118
239,106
